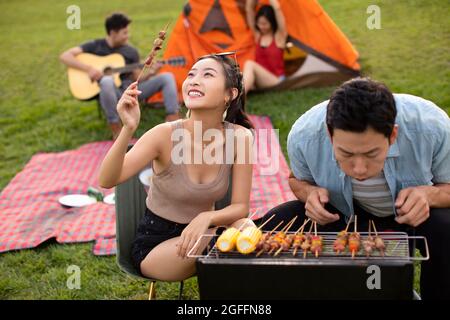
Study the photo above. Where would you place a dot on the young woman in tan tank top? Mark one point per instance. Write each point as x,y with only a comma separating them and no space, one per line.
181,197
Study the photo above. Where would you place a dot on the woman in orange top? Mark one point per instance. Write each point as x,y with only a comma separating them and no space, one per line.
270,32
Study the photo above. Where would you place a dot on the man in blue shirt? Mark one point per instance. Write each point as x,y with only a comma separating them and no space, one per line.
384,157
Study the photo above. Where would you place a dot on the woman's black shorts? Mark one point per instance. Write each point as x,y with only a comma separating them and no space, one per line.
152,231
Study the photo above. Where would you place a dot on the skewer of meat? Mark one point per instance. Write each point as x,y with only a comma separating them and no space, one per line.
299,238
354,240
265,222
379,242
280,237
316,242
306,245
263,244
369,243
157,45
267,246
287,242
277,240
342,239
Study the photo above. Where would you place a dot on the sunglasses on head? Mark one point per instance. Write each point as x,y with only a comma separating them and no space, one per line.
223,55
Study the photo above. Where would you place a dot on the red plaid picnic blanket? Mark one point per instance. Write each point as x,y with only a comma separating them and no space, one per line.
30,211
31,214
270,185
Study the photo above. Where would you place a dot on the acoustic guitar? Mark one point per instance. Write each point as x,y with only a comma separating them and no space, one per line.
83,88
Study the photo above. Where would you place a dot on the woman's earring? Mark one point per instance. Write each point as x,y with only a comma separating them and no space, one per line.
225,114
188,114
227,105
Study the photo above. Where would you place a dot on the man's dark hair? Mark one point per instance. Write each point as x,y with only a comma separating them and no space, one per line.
116,21
361,103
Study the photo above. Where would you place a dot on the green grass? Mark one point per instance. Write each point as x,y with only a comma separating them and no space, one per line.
410,54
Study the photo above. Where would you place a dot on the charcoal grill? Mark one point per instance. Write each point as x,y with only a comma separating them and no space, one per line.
233,275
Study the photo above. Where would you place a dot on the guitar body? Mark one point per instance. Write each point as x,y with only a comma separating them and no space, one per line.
81,85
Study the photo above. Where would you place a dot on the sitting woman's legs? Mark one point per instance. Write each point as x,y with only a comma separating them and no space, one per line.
163,262
258,77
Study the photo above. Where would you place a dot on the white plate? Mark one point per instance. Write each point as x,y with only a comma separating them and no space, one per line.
145,176
76,200
110,199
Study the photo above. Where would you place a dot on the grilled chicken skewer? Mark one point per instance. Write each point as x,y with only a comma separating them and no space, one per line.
369,243
354,240
285,244
342,239
379,242
157,45
306,245
298,240
299,237
288,241
316,242
278,239
263,244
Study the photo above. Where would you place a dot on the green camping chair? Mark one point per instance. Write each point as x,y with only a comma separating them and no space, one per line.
130,207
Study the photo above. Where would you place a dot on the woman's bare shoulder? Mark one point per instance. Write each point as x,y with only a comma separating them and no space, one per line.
159,134
280,40
162,128
241,131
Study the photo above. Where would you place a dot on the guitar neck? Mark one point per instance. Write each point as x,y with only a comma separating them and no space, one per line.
127,69
130,67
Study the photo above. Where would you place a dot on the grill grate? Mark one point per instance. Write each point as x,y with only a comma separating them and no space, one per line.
397,248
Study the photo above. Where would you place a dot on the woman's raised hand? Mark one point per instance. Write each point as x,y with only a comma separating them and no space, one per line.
274,3
128,107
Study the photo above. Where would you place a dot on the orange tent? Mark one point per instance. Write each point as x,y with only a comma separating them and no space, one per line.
317,53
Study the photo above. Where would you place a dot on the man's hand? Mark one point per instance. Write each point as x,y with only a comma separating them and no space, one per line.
412,205
315,207
95,74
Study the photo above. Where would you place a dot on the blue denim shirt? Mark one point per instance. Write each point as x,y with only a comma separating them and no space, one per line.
420,155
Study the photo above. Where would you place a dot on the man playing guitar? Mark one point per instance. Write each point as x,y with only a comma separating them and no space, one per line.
116,41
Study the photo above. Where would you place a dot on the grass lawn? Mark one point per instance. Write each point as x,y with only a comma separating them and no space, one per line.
411,54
